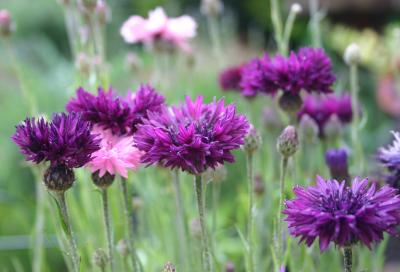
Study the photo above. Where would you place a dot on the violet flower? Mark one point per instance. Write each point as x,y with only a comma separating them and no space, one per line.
390,158
229,78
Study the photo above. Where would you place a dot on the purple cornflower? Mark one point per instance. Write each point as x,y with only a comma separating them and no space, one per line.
344,215
310,70
336,159
145,100
229,79
65,140
105,110
193,136
322,108
390,158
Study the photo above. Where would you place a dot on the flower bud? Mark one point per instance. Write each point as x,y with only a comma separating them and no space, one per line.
259,187
211,8
59,178
333,128
104,181
5,23
215,175
290,103
296,8
336,159
308,129
252,141
288,142
229,267
122,248
169,267
352,54
100,258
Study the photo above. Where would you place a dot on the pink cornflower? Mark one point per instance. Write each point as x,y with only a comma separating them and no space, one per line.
158,27
117,154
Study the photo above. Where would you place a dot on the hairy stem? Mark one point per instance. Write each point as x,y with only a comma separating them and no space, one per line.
347,258
284,167
107,225
250,229
277,24
38,237
288,31
206,257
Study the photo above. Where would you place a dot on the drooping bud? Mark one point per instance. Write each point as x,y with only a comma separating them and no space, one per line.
288,142
59,178
308,129
296,8
211,8
122,248
229,267
252,141
290,103
100,258
6,25
259,185
169,267
352,54
336,159
333,128
104,181
215,175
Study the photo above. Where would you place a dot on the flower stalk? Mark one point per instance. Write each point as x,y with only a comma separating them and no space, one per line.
107,225
206,256
347,258
250,233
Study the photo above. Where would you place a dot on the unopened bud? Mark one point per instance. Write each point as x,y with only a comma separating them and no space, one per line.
308,129
6,24
211,8
229,267
100,258
169,267
290,103
104,181
336,159
288,142
296,8
122,248
333,128
352,54
59,178
252,141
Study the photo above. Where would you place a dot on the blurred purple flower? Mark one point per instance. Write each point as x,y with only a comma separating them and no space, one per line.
336,159
390,158
65,140
343,215
229,79
322,108
193,136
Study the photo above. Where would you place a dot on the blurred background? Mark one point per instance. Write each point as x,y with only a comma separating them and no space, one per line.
41,49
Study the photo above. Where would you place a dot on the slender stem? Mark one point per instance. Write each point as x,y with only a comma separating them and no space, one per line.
70,237
356,118
288,31
206,257
215,199
213,29
129,225
277,24
38,238
107,225
181,218
314,23
347,257
250,231
284,166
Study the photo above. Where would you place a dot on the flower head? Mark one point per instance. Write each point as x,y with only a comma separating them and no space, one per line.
158,27
116,155
322,109
65,140
343,215
390,156
229,79
193,136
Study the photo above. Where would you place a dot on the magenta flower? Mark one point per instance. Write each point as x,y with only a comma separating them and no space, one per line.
390,158
309,70
322,108
229,79
333,212
116,155
65,140
158,27
193,136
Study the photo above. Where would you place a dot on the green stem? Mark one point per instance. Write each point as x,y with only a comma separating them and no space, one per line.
60,196
129,225
38,237
277,24
107,225
359,157
284,167
181,218
347,257
250,230
288,31
206,256
213,29
314,23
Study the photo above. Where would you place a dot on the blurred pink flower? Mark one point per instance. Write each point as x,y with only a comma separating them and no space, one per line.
117,154
158,26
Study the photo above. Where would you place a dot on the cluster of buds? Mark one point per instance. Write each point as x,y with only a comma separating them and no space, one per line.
288,142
